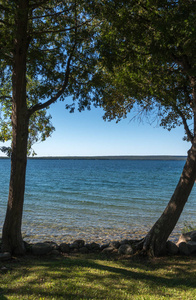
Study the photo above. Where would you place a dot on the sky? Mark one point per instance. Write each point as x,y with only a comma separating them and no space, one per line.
87,134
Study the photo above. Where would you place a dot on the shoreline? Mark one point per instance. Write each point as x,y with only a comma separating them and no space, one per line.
97,236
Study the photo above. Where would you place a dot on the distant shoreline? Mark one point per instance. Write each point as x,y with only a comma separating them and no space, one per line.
109,157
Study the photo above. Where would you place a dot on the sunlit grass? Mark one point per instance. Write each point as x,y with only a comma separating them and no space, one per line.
98,277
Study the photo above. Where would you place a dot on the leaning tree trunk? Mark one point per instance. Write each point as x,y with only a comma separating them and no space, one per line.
154,243
11,236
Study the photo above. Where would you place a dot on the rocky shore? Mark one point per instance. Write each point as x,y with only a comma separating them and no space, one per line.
92,234
186,245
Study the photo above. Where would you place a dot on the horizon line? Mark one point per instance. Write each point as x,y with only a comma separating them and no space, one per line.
108,157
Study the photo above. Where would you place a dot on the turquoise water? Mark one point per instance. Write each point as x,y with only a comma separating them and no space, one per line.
95,200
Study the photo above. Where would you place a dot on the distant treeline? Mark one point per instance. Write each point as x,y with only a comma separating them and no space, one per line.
128,157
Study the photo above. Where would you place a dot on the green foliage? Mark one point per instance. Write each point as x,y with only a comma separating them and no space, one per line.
60,60
118,54
40,126
148,58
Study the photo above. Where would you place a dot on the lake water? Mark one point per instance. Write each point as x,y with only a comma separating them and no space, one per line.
97,200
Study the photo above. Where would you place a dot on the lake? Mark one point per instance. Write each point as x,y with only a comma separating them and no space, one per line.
97,200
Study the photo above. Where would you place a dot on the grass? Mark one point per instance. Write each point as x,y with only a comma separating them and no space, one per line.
98,277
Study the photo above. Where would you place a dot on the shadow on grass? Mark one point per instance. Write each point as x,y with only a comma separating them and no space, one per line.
2,297
96,278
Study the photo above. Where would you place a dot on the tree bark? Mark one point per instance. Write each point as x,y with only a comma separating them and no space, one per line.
154,244
11,236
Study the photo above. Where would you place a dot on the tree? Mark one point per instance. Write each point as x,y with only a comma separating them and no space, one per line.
40,126
148,60
46,54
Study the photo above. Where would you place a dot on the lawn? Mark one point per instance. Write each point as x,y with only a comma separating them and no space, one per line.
98,277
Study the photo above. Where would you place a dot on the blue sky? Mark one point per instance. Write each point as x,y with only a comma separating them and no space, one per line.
87,134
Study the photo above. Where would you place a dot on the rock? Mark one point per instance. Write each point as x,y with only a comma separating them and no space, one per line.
5,256
41,248
115,244
187,237
183,248
64,247
187,242
55,252
75,250
53,245
124,242
172,248
109,249
79,243
104,246
93,246
125,249
83,250
191,246
73,246
27,246
4,269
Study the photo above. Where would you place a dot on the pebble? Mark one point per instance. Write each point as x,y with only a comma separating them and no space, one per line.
5,256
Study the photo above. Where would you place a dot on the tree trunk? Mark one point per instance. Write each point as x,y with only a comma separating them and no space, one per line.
154,243
12,237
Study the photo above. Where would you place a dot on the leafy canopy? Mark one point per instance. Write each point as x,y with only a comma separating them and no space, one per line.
61,59
148,59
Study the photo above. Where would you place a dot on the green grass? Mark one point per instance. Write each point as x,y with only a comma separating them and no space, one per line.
98,277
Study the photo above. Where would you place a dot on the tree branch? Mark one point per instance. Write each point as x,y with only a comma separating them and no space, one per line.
37,4
4,8
5,23
4,97
182,61
49,15
57,96
60,30
186,127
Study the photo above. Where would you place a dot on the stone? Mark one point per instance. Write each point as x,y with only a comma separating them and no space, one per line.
55,252
93,246
41,248
125,249
79,243
53,245
124,242
4,269
187,237
191,247
183,248
27,246
172,248
74,246
84,250
115,244
64,247
109,249
5,256
104,246
75,250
